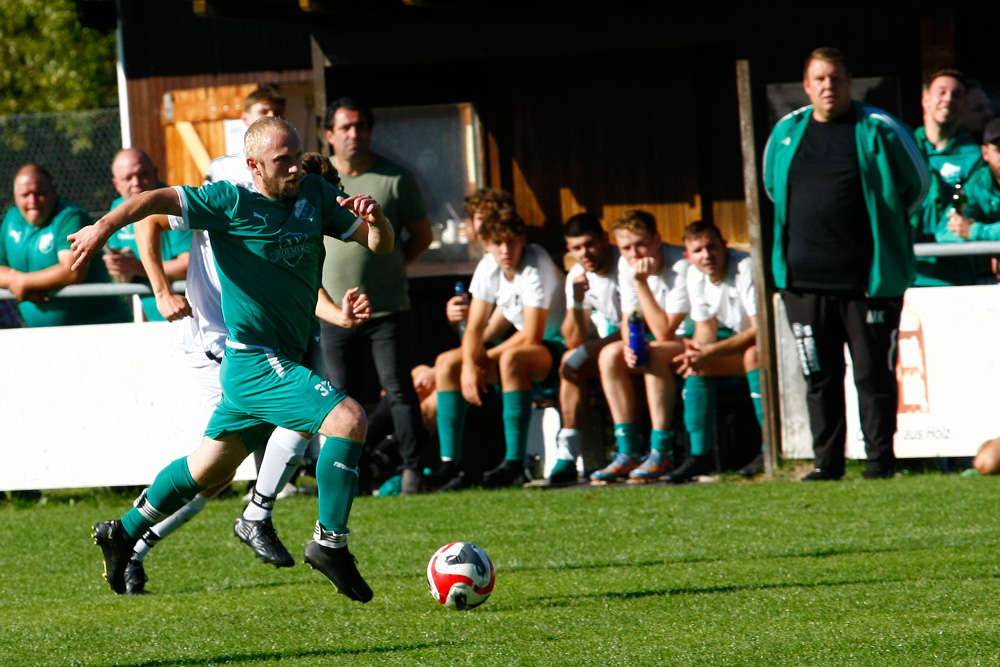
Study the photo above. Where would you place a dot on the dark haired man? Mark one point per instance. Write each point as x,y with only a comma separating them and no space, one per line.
386,336
951,158
593,319
844,178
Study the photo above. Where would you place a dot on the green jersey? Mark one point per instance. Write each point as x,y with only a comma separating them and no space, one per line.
27,248
269,254
957,161
381,277
172,244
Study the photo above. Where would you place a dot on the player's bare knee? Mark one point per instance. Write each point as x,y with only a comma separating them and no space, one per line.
347,420
750,362
610,358
987,461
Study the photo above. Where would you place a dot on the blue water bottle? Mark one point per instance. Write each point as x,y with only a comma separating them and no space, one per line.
637,337
460,291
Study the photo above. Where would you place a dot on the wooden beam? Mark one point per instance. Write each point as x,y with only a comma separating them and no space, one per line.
771,426
194,146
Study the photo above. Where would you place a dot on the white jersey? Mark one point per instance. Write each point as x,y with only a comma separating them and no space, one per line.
537,283
205,331
732,302
668,285
232,168
602,297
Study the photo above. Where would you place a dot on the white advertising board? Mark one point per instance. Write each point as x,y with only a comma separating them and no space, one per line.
947,369
100,405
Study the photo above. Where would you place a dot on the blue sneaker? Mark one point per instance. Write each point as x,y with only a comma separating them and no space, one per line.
653,467
619,468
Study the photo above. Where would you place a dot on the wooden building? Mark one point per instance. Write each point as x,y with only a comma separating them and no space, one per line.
579,104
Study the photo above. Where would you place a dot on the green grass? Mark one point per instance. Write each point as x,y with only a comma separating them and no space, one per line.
895,572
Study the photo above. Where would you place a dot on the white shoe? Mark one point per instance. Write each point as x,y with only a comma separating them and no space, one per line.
289,490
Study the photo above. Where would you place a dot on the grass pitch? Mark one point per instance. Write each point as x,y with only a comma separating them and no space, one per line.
894,572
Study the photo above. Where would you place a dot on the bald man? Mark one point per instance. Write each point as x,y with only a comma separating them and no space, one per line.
35,257
132,173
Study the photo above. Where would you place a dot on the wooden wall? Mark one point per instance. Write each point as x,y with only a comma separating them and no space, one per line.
145,104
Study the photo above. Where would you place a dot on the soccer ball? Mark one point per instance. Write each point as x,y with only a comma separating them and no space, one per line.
460,575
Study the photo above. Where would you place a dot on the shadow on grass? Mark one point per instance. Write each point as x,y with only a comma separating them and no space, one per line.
563,600
828,552
250,658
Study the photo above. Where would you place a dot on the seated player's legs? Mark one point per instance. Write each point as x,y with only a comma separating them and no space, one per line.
619,389
700,408
574,401
518,367
661,393
450,417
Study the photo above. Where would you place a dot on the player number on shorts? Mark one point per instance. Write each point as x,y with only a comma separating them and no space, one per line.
324,387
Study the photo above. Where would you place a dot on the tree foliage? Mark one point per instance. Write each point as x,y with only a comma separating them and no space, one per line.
49,62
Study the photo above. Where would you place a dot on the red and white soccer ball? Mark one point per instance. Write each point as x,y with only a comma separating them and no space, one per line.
460,575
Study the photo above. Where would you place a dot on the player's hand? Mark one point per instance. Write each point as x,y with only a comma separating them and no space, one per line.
631,358
692,360
473,382
362,206
355,307
643,268
123,265
424,382
87,242
173,306
456,310
959,225
580,287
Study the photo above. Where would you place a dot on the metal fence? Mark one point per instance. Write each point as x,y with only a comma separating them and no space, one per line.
75,146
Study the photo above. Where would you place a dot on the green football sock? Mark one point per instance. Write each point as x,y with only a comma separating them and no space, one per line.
753,379
663,442
516,418
627,437
337,479
451,411
172,489
699,412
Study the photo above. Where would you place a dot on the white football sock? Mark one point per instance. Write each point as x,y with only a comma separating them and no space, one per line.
167,526
281,459
568,444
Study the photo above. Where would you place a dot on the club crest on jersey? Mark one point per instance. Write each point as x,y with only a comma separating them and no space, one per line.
291,248
303,209
45,243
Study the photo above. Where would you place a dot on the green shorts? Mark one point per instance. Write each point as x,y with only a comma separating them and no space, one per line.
262,389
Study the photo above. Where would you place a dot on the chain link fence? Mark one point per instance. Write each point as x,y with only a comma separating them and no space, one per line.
76,147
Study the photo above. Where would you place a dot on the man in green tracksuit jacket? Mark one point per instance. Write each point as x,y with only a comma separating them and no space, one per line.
844,179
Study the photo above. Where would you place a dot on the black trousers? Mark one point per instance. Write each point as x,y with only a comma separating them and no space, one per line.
387,341
821,323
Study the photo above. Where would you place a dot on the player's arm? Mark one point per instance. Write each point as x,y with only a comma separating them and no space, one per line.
374,232
497,327
32,285
87,242
148,239
355,310
473,374
531,334
576,325
420,239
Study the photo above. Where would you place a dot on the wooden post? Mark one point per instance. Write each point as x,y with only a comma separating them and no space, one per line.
319,65
760,252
